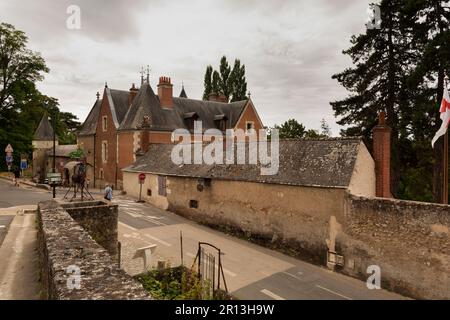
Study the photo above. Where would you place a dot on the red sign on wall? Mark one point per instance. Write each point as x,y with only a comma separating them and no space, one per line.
141,178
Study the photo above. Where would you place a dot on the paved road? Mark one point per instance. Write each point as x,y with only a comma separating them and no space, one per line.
11,196
251,272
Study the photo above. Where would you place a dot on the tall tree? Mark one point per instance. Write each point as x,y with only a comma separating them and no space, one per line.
207,83
382,59
21,104
229,82
225,83
20,67
432,42
215,87
238,82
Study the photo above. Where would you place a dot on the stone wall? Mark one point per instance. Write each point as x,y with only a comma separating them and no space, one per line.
410,241
99,219
280,216
64,246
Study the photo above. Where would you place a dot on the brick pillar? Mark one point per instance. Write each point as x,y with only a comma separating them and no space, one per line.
382,156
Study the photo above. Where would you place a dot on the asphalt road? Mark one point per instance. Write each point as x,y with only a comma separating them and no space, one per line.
251,271
11,196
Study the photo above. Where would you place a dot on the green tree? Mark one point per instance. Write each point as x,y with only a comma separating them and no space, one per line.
20,67
431,19
238,82
21,104
215,86
382,60
291,129
207,83
225,79
229,82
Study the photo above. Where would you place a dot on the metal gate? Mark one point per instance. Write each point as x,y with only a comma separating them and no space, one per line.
209,271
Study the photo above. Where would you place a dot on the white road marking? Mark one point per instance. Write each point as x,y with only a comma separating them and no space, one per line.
158,240
127,226
293,276
272,295
134,215
333,292
159,223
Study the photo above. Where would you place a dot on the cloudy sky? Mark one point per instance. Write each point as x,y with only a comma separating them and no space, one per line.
290,48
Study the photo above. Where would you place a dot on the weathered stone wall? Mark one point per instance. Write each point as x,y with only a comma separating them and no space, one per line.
291,217
64,244
99,219
410,241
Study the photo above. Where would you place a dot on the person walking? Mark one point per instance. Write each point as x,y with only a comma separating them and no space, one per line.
16,176
108,193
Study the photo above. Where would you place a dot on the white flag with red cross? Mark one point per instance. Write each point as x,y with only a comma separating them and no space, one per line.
445,116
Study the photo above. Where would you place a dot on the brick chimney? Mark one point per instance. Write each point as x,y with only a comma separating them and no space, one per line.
213,96
222,98
382,156
133,93
165,92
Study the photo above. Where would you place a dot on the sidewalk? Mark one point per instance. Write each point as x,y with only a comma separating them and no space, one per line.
19,276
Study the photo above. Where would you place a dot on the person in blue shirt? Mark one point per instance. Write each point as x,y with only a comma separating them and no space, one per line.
108,192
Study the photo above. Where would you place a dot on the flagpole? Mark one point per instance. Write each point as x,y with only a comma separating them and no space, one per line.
445,160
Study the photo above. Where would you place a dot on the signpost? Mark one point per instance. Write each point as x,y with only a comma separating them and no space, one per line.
23,165
9,158
141,182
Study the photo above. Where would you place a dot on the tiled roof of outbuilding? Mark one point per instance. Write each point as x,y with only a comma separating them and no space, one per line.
309,162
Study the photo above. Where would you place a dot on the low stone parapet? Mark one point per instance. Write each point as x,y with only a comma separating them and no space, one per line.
73,265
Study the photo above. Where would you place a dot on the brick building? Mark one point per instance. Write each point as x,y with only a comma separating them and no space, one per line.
123,124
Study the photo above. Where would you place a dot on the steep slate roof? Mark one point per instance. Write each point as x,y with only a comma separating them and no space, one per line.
119,103
146,103
90,124
183,93
321,162
44,131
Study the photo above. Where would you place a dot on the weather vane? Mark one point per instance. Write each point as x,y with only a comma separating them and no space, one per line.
148,74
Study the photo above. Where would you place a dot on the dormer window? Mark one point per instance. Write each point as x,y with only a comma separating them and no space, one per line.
221,121
190,118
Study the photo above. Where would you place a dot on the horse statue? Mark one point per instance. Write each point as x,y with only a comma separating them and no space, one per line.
75,175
